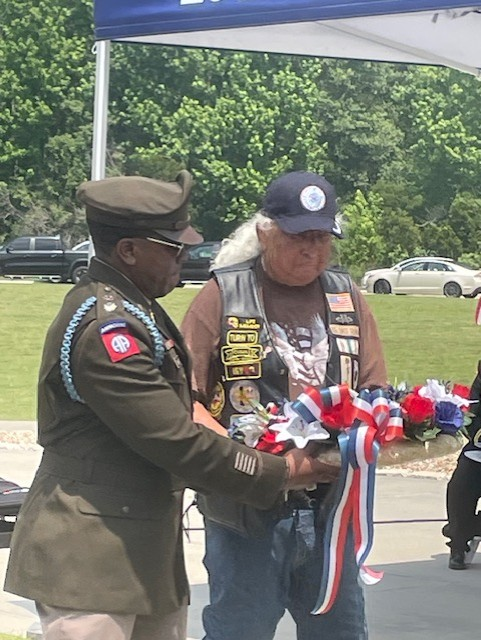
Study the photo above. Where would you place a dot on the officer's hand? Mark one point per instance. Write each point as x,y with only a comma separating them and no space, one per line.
306,471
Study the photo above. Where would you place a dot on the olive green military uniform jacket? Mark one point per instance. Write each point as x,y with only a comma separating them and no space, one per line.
100,529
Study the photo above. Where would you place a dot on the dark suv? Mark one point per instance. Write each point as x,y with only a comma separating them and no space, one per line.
45,257
196,267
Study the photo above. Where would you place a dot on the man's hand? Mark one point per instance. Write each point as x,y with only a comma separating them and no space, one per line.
306,471
202,416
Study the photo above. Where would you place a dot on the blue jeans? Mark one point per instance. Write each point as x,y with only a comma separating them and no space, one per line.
254,580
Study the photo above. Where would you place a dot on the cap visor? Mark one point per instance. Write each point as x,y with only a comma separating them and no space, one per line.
299,224
186,236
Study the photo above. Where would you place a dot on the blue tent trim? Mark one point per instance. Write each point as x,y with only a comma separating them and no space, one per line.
116,19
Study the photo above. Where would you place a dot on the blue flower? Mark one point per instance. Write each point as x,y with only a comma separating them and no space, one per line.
448,417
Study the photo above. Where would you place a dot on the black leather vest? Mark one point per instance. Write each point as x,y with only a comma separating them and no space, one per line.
252,369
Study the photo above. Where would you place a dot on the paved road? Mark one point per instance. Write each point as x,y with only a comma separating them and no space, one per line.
418,598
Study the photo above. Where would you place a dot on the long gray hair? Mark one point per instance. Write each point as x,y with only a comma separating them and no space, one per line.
243,244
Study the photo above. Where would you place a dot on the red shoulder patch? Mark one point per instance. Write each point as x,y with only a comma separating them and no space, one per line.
120,344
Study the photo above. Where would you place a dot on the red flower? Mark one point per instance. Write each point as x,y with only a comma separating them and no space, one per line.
417,408
464,392
461,390
267,442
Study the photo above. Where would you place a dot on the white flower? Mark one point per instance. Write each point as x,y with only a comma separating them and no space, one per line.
297,429
436,392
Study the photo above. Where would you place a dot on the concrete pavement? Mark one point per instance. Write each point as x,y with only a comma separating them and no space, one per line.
418,598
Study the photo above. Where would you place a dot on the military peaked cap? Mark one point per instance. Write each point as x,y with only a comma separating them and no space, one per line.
143,204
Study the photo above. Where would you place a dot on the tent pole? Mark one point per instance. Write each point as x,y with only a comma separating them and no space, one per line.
101,102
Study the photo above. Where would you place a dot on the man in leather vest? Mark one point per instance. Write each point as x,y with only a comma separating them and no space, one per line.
275,318
98,542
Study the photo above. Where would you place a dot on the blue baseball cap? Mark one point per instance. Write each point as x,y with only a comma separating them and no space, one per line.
302,201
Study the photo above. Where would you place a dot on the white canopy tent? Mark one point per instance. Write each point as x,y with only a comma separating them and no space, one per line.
443,33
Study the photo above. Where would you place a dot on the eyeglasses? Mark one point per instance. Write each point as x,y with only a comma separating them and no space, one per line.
175,245
317,238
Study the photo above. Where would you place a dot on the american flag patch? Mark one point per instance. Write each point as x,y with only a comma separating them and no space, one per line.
246,463
340,301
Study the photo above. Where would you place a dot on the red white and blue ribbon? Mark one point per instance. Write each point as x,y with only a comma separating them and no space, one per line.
312,403
376,419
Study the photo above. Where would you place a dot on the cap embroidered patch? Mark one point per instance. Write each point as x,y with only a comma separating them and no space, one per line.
313,198
117,340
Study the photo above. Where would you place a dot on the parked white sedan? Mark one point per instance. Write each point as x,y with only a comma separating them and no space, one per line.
425,275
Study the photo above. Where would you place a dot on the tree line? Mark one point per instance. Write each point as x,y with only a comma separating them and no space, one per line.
401,143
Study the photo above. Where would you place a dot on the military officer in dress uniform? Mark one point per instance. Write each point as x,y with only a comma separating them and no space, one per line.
98,543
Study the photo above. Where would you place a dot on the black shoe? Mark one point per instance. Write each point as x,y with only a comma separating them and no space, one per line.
456,560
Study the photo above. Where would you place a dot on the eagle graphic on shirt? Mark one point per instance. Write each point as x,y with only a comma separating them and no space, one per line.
304,350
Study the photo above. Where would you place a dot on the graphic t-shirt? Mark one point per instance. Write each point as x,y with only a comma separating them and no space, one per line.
296,318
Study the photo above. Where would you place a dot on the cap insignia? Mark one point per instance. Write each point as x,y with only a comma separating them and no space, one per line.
313,198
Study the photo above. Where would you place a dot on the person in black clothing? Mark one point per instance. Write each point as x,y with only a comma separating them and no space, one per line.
464,488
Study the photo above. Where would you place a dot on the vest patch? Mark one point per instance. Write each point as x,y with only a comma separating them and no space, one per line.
244,396
349,371
243,372
217,403
344,318
346,370
348,345
242,354
236,322
343,330
339,302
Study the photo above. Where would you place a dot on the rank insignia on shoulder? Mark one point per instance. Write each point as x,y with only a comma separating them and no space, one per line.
117,340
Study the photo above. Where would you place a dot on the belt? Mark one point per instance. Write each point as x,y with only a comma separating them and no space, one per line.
96,472
310,500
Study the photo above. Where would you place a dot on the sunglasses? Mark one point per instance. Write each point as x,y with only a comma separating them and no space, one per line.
175,245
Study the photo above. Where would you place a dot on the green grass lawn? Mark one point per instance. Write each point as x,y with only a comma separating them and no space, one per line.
26,311
423,337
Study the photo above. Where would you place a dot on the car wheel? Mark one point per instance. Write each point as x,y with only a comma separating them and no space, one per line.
452,290
78,272
382,286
